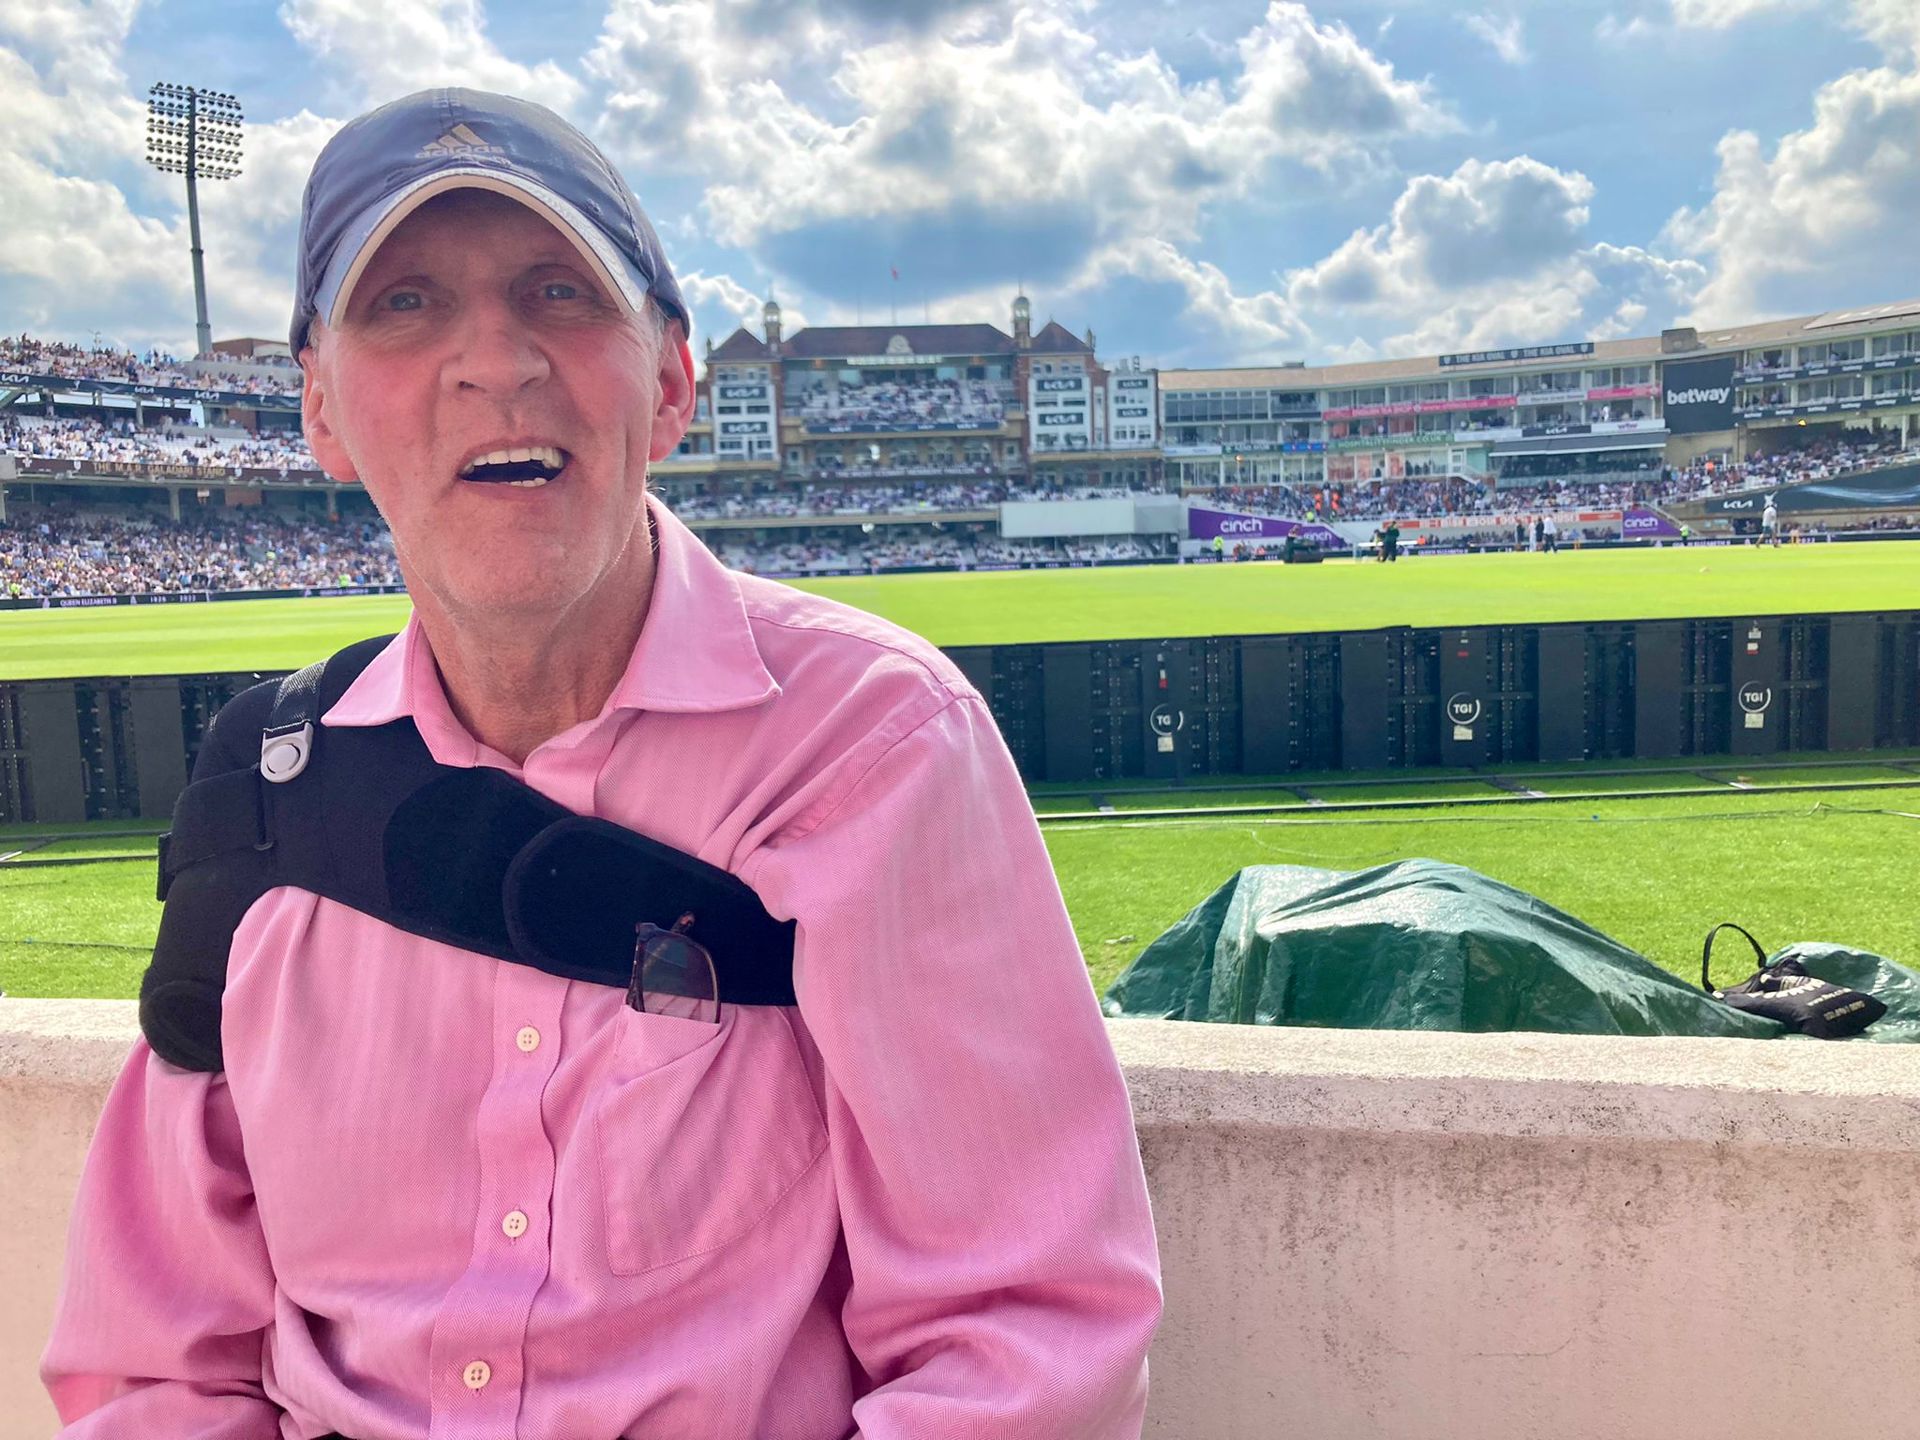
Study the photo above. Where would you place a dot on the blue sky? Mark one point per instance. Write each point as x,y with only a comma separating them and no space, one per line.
1201,182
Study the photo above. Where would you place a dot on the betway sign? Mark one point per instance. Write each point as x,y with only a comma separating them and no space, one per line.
1698,395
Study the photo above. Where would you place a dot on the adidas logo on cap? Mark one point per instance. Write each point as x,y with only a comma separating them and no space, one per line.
461,140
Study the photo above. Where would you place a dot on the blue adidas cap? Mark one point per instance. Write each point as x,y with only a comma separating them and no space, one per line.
380,167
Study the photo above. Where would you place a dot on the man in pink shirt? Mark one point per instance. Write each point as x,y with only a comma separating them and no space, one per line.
436,1193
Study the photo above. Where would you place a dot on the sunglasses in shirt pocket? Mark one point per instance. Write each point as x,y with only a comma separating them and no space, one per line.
701,1131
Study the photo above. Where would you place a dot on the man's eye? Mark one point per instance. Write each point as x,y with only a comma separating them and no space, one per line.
559,290
404,300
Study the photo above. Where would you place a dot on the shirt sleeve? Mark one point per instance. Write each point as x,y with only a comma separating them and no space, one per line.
168,1290
1005,1276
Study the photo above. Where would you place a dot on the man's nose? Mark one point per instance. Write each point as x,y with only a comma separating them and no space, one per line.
495,351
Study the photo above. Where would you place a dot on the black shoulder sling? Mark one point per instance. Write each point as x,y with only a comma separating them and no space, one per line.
472,857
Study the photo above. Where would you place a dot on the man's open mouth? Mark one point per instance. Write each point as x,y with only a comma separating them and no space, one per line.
529,468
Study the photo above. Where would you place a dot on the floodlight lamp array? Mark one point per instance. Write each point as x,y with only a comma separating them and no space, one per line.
195,130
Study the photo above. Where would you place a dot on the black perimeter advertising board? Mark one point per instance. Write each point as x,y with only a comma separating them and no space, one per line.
1188,709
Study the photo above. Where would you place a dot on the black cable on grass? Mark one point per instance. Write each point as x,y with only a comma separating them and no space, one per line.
1467,818
80,945
1862,810
51,862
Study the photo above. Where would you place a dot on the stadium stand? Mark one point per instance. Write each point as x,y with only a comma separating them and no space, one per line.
55,552
124,443
50,357
873,448
1429,499
815,499
1795,464
879,405
973,551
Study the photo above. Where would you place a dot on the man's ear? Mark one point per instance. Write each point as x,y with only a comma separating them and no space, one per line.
675,411
321,438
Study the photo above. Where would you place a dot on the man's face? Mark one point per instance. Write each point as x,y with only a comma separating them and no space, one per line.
478,328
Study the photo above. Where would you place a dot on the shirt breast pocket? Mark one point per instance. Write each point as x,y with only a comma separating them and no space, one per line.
701,1131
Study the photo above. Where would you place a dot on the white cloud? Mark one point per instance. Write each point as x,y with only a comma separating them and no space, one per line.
252,224
1495,253
1721,14
1485,222
80,43
76,254
1013,125
383,49
1894,25
1223,326
62,91
1829,211
1611,30
82,252
721,304
989,119
1503,35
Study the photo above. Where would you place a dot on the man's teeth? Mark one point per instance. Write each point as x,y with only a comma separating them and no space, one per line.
546,455
527,484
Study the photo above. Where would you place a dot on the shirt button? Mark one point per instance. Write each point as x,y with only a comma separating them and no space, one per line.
515,1224
477,1374
528,1039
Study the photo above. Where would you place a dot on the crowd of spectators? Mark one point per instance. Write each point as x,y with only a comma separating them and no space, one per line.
875,499
79,362
50,552
123,442
1410,499
1560,495
1776,362
1817,459
949,551
932,402
1416,498
1907,520
835,500
58,552
829,467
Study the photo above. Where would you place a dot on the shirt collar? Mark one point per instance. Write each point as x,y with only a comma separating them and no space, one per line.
696,651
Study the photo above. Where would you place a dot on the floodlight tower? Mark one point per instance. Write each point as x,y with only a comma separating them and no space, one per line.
196,133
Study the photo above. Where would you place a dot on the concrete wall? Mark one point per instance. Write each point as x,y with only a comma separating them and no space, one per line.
1500,1237
1042,519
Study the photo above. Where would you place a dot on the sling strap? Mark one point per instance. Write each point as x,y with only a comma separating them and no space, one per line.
470,857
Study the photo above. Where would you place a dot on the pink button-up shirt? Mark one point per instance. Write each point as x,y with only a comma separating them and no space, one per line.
438,1195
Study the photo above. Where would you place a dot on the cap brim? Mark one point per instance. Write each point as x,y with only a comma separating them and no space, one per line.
374,224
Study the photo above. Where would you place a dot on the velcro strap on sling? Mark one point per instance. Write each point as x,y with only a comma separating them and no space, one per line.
575,893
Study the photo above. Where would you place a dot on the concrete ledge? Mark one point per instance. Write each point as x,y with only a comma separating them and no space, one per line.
1796,1093
66,1043
1503,1237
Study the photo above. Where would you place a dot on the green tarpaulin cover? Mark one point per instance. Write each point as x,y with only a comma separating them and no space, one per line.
1425,945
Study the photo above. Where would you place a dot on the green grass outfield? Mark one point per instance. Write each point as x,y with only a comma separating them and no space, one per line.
1654,873
1104,604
